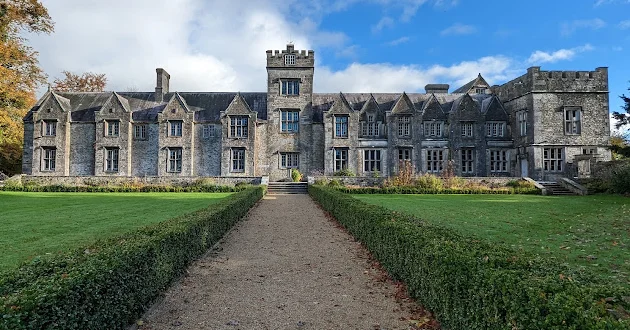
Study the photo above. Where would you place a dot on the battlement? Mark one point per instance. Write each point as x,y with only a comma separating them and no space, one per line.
536,80
302,58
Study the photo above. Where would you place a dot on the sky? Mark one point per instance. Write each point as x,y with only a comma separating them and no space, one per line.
360,45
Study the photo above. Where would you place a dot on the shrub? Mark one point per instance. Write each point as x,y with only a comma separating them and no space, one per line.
520,184
429,181
13,183
344,172
110,284
125,188
473,284
621,182
296,176
334,183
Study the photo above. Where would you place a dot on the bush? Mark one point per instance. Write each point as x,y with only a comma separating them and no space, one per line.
334,183
126,188
296,176
110,284
621,182
520,184
429,181
345,172
473,284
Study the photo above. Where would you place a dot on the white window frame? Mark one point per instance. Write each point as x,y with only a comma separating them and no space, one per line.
370,128
572,120
340,156
112,155
553,159
499,161
239,127
372,160
112,128
404,126
495,129
289,160
49,127
176,128
433,129
289,121
480,90
140,131
467,128
49,159
237,160
404,154
467,157
341,126
175,156
289,59
435,159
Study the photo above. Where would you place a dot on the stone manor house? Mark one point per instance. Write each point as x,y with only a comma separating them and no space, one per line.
543,124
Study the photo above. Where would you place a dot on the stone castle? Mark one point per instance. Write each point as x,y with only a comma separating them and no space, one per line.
543,124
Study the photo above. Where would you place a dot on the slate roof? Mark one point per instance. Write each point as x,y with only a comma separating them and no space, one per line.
477,81
208,105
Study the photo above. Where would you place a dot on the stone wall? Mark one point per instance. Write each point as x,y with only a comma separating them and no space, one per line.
117,181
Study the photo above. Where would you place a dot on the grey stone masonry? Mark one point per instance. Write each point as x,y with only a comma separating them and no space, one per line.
544,124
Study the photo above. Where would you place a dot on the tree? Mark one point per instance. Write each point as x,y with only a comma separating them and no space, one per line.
87,82
20,74
619,144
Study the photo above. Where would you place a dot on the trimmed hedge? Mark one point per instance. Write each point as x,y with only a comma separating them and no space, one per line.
473,284
460,191
101,189
111,283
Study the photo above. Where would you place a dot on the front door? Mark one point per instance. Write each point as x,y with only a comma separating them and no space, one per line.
524,168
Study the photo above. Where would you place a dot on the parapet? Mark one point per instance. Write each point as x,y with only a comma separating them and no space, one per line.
436,88
303,58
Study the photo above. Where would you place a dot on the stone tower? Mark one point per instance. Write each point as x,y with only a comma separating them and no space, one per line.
289,112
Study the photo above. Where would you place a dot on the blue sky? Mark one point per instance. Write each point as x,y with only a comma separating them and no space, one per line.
360,45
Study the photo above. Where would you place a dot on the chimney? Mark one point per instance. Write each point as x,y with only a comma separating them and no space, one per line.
161,87
436,88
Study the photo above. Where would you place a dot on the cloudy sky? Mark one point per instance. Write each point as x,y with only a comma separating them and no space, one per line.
360,45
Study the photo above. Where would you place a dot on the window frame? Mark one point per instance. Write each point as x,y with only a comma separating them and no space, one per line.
239,127
372,160
290,87
553,159
573,124
340,163
174,160
467,160
289,121
467,129
404,126
433,129
289,160
49,127
370,127
521,118
49,159
495,129
499,161
237,160
112,127
176,128
289,59
341,126
111,160
140,131
435,159
208,131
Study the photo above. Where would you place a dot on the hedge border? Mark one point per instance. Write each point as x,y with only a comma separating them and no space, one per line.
474,284
104,189
109,284
453,191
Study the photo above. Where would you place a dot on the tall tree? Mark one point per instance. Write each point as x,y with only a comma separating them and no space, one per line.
619,144
20,74
87,82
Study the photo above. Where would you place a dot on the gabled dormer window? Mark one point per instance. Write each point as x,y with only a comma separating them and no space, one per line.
404,126
433,129
238,126
112,128
370,128
175,128
289,59
49,128
495,129
290,87
480,90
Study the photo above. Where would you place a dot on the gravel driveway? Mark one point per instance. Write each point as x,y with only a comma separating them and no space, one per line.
286,266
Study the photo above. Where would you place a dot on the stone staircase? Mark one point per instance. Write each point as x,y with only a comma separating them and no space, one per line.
554,188
274,188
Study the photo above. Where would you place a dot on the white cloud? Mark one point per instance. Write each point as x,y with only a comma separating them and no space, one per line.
568,28
624,25
605,2
539,56
458,29
385,22
398,41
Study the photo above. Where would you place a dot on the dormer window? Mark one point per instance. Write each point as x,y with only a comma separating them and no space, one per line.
480,90
289,59
112,128
290,87
49,127
370,127
175,128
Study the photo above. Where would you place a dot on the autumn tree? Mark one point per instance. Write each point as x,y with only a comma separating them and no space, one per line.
20,74
86,82
620,144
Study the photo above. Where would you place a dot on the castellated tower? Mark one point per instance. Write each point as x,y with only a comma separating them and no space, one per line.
289,112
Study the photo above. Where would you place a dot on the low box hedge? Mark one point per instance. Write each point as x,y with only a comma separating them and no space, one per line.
101,189
460,191
110,284
473,284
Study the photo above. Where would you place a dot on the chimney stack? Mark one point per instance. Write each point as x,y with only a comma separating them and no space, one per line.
161,87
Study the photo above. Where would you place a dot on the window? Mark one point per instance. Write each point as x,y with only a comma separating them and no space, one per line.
589,151
480,90
289,59
552,159
140,132
207,131
238,160
404,154
435,160
111,159
341,126
289,159
238,126
290,87
369,128
112,127
404,126
467,129
468,160
522,122
495,129
48,159
433,129
341,159
372,160
175,127
289,121
50,127
572,121
175,160
498,161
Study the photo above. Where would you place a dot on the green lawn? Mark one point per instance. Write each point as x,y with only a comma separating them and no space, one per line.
34,224
585,231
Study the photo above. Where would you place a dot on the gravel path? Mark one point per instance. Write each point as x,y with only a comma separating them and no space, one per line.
286,266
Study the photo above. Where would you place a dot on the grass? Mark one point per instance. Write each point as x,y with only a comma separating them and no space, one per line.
592,232
34,224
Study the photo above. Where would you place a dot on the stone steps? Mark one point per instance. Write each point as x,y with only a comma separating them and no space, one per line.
274,188
556,189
